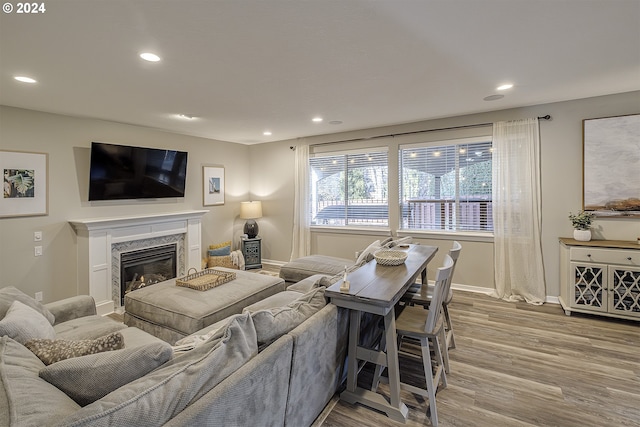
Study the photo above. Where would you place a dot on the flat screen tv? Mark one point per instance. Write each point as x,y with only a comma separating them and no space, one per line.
118,172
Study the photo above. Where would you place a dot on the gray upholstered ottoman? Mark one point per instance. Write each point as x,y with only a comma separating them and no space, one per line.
171,312
301,268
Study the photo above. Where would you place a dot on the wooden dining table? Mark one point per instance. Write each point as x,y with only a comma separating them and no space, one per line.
376,289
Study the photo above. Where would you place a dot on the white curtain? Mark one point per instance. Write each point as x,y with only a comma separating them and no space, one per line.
519,271
301,245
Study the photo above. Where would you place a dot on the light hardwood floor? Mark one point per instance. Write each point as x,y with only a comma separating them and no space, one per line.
521,365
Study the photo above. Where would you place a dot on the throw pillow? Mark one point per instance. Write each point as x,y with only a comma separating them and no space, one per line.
23,323
271,324
86,379
10,294
365,255
220,249
52,351
221,261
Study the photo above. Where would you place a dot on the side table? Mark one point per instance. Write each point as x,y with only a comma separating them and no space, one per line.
252,252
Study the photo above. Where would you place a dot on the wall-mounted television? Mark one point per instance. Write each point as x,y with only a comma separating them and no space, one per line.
118,172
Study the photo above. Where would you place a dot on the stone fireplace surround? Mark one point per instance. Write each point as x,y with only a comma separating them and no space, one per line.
101,240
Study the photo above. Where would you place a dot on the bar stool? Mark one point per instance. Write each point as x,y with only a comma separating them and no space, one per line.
412,323
421,294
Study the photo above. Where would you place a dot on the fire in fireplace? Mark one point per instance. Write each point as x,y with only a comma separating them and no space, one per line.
146,267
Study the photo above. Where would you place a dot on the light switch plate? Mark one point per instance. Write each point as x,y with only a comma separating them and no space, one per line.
37,251
37,236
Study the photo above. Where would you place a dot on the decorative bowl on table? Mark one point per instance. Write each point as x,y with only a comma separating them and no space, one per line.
390,257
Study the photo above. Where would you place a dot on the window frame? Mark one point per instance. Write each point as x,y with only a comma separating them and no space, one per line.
475,234
366,227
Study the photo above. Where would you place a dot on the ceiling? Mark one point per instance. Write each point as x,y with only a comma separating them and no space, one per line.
242,67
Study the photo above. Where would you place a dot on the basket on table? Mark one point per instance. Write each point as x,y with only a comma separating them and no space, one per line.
390,257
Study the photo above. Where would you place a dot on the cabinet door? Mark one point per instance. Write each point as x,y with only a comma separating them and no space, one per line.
589,287
624,290
251,252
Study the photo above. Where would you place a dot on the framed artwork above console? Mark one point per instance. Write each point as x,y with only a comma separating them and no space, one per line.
611,181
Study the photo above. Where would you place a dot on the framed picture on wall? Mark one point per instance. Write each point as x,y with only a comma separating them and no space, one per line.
25,184
212,185
611,180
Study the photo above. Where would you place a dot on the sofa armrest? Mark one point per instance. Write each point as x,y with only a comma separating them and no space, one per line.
72,308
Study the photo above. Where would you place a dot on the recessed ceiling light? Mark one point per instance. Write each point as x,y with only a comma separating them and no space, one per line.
504,86
493,97
335,122
186,116
316,119
151,57
267,133
25,79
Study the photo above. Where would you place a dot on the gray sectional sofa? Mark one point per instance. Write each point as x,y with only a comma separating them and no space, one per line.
276,364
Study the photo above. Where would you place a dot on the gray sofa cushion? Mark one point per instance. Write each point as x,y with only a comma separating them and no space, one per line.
315,281
88,378
134,337
272,323
10,294
87,328
163,393
25,398
52,351
203,335
280,299
23,323
301,268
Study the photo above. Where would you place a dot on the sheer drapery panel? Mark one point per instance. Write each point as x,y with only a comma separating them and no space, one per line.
519,272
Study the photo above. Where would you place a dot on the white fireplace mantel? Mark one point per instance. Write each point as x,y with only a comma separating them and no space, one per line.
97,235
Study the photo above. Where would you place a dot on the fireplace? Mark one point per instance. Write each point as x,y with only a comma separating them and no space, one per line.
102,241
146,267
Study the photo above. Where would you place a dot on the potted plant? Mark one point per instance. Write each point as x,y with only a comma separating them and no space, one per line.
581,223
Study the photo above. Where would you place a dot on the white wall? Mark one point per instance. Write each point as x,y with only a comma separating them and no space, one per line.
561,162
68,140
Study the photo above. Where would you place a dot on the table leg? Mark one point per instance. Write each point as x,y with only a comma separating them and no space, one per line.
352,360
392,358
395,408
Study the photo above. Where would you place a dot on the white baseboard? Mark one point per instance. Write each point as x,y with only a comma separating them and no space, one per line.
489,291
469,288
273,262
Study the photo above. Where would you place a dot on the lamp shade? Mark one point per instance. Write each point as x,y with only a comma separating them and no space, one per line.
250,210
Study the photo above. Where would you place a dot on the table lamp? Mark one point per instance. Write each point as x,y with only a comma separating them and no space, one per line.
250,211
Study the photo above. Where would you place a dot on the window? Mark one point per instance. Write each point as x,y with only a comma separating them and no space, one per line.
349,189
446,185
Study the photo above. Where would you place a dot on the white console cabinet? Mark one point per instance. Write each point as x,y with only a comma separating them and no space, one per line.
600,277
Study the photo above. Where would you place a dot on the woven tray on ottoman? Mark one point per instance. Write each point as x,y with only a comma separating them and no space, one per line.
205,279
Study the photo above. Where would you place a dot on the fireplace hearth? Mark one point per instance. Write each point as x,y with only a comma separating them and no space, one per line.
146,267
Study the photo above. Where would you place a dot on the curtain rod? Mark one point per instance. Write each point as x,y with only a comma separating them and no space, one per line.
545,117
